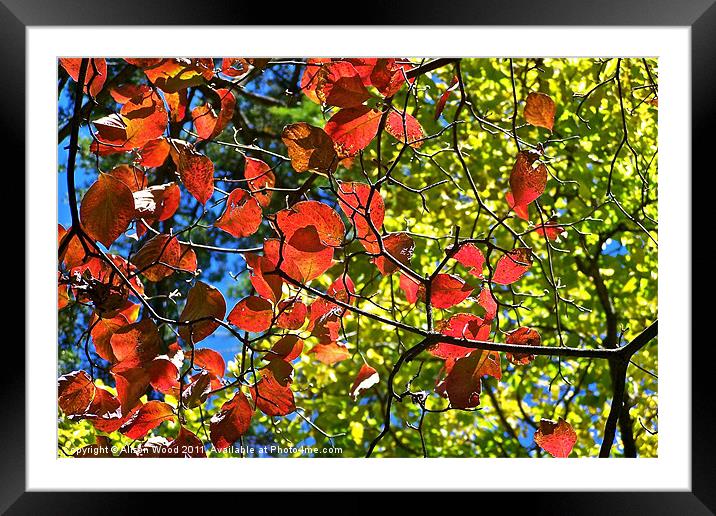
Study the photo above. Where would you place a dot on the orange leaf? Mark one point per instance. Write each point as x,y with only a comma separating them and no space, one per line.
352,129
107,209
273,397
242,215
196,171
203,303
367,378
231,422
405,128
259,177
252,313
149,416
555,437
95,76
310,148
540,110
75,392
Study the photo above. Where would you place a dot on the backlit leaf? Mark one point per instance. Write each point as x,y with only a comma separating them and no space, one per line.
260,178
525,337
405,128
252,314
272,397
107,209
231,422
310,149
540,110
149,416
203,303
367,377
352,129
512,266
242,214
555,437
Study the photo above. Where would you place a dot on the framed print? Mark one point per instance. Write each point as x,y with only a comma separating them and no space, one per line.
391,256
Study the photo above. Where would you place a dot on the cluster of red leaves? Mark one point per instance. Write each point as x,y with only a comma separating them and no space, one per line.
307,235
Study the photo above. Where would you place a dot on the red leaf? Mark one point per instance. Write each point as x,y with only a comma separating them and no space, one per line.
203,301
555,437
209,360
528,178
174,74
521,210
75,392
154,153
209,125
132,177
105,413
310,149
124,92
367,378
512,266
325,321
461,326
271,396
267,285
102,331
288,348
196,393
401,247
177,103
330,353
252,313
405,128
353,201
410,287
309,78
540,110
352,129
291,314
463,382
149,416
364,66
486,301
107,209
111,132
259,176
196,171
234,66
305,258
470,256
74,253
338,84
136,343
95,76
145,118
242,214
388,75
440,104
322,217
550,229
343,289
231,422
186,445
447,291
525,337
157,257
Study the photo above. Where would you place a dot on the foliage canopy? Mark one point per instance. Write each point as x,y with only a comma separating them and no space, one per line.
389,257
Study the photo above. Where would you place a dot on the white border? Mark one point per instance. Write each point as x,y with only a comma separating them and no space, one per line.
670,471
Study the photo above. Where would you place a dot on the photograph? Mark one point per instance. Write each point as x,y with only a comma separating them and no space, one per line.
357,257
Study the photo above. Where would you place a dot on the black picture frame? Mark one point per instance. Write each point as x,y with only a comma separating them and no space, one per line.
699,15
